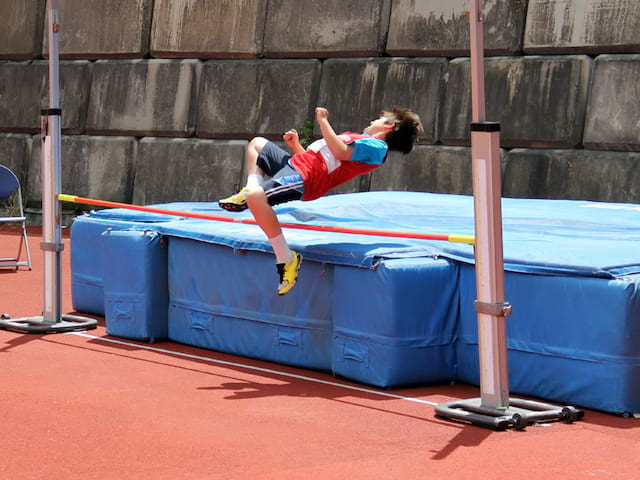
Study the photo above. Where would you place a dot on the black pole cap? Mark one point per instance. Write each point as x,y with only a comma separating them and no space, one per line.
51,111
485,126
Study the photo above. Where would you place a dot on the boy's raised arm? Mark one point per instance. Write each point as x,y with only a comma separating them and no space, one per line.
292,140
339,149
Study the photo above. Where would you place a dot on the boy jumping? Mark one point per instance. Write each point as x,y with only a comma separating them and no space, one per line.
307,175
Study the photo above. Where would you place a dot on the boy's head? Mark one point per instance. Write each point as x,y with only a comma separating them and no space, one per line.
404,128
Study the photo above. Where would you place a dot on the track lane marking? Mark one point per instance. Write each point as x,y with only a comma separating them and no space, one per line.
254,368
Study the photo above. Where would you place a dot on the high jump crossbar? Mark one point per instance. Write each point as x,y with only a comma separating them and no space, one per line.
454,238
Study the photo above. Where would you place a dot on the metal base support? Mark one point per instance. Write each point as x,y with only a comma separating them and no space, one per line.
67,323
519,414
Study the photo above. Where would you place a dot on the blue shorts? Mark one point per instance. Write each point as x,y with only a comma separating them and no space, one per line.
285,184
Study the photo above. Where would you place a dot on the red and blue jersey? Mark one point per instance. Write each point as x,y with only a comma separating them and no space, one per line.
321,171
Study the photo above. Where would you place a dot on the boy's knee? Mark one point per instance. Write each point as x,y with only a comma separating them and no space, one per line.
256,196
257,143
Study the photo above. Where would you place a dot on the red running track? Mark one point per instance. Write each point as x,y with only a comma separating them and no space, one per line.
89,406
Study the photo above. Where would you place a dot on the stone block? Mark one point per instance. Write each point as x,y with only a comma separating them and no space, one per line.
573,175
582,26
204,29
436,169
613,114
92,29
356,90
331,28
441,27
93,167
21,23
239,99
539,101
24,91
194,170
355,185
15,152
143,97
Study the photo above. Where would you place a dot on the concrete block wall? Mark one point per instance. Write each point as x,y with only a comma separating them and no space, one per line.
92,166
540,101
260,96
186,169
160,97
143,97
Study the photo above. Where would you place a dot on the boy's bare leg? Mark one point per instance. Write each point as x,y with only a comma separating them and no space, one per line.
263,213
288,262
251,160
255,177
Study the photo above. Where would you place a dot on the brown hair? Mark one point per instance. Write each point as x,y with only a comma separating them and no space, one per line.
406,129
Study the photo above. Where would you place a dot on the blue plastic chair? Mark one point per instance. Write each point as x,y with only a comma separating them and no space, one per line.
10,185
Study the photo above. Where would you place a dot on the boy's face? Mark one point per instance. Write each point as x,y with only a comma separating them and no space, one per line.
379,125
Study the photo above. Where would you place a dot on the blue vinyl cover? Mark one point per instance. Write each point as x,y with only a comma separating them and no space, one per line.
540,236
135,284
87,258
397,324
575,321
226,301
574,338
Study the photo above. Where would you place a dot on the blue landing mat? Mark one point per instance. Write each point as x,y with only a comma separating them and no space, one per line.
540,236
572,275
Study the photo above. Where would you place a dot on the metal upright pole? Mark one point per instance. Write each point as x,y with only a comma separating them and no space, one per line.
490,304
52,319
478,108
52,245
494,408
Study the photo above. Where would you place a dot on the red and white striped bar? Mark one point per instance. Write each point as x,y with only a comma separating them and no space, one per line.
454,238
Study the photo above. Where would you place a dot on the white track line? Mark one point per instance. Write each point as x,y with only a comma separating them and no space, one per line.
251,367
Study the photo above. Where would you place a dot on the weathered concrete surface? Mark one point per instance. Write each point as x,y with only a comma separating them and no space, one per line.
19,86
613,116
573,175
329,28
584,26
24,91
91,29
436,169
143,97
204,29
355,91
94,167
355,185
540,101
427,169
15,152
441,27
174,170
240,99
21,23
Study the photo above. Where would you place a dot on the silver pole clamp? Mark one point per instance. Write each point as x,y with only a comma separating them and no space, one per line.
499,309
51,247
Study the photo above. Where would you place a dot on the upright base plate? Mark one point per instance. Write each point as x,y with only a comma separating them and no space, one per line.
67,323
518,414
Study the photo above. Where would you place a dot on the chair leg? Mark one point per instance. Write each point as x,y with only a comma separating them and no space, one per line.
16,261
26,244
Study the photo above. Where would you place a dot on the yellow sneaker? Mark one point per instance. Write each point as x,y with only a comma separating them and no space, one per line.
288,273
235,203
